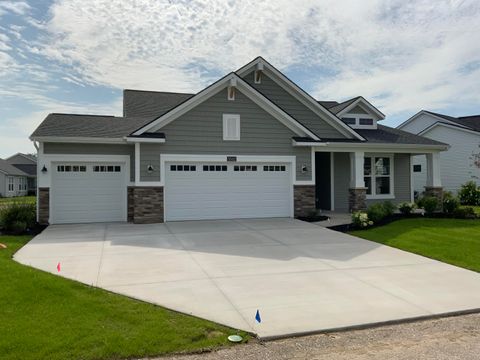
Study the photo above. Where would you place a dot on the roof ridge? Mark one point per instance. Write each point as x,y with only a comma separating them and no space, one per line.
72,114
160,92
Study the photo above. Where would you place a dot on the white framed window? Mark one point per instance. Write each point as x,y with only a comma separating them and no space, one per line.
359,121
20,184
231,127
378,176
11,184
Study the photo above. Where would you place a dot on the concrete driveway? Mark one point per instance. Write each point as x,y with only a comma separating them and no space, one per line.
301,277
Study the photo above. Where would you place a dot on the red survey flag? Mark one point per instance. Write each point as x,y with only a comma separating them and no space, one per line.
58,267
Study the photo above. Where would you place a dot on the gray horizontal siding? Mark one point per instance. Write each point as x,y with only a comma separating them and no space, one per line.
200,131
292,106
93,149
342,180
3,184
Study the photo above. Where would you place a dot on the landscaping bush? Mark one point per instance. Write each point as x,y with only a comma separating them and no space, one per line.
469,194
406,208
17,217
450,203
376,212
389,208
464,212
429,204
360,219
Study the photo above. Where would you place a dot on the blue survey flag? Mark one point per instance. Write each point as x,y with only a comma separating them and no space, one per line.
257,317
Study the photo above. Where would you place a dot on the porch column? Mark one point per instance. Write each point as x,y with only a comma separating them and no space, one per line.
357,191
137,164
434,182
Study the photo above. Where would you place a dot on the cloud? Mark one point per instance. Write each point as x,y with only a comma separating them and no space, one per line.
17,7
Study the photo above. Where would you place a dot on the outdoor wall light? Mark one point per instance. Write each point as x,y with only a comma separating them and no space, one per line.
304,168
150,168
44,169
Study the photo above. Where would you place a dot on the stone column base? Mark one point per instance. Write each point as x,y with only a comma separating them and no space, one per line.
43,205
145,204
436,192
303,200
357,199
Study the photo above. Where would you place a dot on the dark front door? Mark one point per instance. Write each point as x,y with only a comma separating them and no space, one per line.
322,180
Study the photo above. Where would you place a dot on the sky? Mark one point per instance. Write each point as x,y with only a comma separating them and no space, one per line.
76,56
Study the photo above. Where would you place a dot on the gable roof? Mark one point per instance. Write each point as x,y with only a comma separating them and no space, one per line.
151,104
449,125
327,103
209,91
471,122
301,95
29,157
8,169
347,105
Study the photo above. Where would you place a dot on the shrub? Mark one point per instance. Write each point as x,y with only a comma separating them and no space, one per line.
18,216
450,203
430,204
406,208
464,212
360,219
376,212
389,208
469,194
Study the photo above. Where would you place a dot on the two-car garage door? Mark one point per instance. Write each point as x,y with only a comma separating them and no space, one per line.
195,191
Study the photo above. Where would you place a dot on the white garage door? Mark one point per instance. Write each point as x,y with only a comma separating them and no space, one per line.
88,192
195,191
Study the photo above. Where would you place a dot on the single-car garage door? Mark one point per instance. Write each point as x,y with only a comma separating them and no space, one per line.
195,191
88,192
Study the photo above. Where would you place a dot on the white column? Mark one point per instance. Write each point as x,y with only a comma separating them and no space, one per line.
137,164
433,170
356,169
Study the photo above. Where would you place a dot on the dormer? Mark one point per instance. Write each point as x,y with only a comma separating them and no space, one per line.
358,113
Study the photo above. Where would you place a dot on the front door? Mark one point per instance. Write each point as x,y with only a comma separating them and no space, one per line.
322,181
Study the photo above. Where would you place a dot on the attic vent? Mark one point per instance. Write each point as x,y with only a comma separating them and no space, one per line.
231,93
258,76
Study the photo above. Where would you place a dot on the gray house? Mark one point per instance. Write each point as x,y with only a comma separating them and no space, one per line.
28,164
13,181
252,144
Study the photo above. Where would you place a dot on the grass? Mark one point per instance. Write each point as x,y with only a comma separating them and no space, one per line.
453,241
43,316
10,200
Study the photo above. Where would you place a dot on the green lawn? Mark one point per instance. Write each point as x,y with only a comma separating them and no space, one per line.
43,316
453,241
27,199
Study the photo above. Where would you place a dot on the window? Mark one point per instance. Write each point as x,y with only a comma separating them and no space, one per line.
245,168
20,184
359,121
364,121
377,172
214,167
183,168
349,121
11,184
105,168
71,168
231,127
274,168
417,168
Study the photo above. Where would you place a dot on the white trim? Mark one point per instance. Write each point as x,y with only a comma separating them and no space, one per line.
291,160
412,190
39,168
362,100
144,140
225,119
391,195
357,173
450,126
332,182
372,147
72,139
302,96
137,163
247,90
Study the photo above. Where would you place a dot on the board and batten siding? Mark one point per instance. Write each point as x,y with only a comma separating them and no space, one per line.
293,107
401,179
457,164
200,131
93,149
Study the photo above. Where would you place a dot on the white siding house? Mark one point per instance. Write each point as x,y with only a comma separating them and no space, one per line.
461,163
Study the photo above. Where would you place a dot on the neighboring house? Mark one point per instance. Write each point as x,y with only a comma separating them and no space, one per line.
461,163
13,181
28,164
252,144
